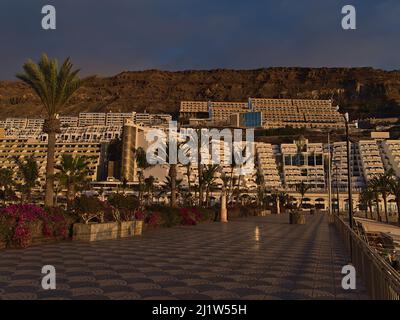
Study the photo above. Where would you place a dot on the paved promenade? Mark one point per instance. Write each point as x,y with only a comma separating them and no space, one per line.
252,258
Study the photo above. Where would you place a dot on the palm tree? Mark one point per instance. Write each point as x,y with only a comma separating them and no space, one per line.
124,185
260,181
209,179
6,182
72,173
54,86
188,171
172,186
395,190
29,172
381,184
141,161
366,198
149,187
302,188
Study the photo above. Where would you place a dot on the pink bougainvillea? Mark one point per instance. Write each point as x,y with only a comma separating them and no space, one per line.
154,219
139,215
190,216
18,221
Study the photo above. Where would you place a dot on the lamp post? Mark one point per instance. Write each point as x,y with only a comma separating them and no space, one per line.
329,176
350,195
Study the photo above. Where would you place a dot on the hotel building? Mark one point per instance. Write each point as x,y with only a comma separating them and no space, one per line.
265,113
303,162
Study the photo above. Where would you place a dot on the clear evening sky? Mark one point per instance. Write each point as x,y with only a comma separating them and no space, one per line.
108,36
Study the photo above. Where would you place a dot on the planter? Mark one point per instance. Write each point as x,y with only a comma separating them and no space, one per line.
297,218
95,231
138,228
264,213
126,229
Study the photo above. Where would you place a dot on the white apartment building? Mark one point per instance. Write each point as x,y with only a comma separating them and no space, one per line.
339,167
89,134
149,119
391,155
66,121
267,165
34,123
371,161
118,118
92,119
23,148
303,162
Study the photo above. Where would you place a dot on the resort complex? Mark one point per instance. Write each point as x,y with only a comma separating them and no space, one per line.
109,142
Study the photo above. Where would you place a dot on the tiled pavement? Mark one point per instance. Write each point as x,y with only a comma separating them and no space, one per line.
252,258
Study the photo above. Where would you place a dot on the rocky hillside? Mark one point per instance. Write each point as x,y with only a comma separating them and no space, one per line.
366,92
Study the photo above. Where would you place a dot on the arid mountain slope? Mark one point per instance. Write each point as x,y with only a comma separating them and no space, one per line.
366,92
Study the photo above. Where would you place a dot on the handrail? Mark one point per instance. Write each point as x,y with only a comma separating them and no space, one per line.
381,280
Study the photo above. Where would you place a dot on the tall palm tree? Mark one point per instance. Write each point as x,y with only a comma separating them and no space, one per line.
54,86
302,188
141,161
381,184
29,172
72,172
366,198
6,182
395,190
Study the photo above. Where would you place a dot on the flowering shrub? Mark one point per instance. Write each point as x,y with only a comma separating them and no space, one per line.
19,223
139,215
191,216
154,219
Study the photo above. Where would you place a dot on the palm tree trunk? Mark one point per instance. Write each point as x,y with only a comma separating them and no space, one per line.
385,206
172,175
189,185
370,211
378,212
52,127
207,196
398,211
70,195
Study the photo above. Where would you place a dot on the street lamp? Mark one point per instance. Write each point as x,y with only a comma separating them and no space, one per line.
350,195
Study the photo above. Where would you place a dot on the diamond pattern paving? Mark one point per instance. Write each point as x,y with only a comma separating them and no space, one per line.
252,258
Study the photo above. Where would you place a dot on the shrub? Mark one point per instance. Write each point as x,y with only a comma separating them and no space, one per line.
139,215
171,217
89,208
125,206
154,219
191,216
19,223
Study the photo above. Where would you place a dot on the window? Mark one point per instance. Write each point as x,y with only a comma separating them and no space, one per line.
318,159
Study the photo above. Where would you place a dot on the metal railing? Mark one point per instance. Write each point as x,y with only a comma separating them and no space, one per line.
380,279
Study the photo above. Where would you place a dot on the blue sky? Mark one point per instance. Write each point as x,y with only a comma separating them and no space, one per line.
108,36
